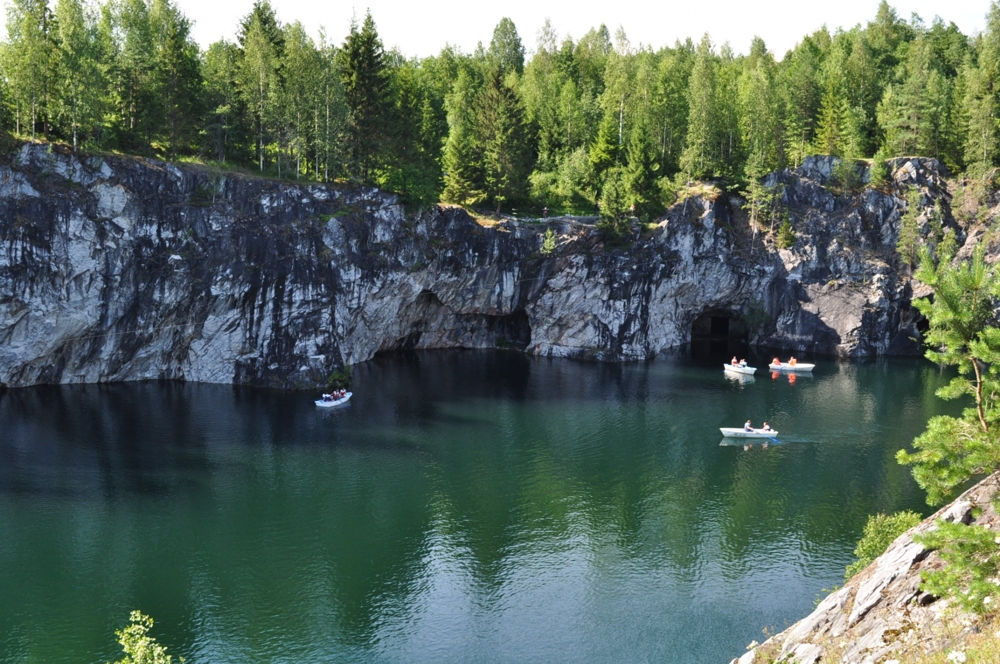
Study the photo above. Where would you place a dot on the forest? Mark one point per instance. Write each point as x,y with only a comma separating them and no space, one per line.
566,125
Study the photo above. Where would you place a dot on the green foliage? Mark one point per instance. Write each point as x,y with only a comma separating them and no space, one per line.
754,316
502,137
365,78
879,174
786,236
969,577
548,242
701,157
879,533
908,238
614,206
125,75
463,172
963,333
845,175
138,645
340,380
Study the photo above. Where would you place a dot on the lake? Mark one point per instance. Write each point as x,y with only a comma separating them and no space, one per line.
466,506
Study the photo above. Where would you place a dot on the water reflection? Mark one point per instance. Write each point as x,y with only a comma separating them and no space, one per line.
466,507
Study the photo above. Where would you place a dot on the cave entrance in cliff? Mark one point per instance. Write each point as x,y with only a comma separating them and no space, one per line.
718,324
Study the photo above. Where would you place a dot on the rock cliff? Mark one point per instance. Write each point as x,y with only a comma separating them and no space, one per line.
115,268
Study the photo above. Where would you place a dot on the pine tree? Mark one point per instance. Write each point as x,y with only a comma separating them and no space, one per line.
962,333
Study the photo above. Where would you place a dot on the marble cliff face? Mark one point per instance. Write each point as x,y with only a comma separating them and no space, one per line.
115,268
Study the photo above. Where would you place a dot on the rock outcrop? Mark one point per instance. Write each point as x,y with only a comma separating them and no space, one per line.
881,614
115,268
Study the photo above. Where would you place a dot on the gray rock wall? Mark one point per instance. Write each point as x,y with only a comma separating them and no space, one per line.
115,268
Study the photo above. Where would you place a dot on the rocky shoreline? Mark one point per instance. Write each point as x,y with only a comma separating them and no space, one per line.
881,614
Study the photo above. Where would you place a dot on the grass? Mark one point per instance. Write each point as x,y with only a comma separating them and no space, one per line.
691,190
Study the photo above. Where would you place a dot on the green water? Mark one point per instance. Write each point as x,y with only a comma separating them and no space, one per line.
466,507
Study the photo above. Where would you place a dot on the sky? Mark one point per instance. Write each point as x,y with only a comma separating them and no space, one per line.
423,27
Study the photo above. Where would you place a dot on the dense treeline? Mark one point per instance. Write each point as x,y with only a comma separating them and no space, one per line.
580,122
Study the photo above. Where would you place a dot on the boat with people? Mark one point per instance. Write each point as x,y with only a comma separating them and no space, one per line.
791,365
338,398
743,433
740,368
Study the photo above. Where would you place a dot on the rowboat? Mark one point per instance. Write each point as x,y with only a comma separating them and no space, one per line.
735,368
330,403
785,366
740,433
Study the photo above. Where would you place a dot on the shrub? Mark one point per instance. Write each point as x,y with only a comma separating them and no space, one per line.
549,243
786,236
879,533
340,380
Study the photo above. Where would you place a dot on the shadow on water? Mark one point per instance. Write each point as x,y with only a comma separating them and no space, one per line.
466,506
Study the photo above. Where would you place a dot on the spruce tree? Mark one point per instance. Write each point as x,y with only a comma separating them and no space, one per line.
461,161
503,136
365,79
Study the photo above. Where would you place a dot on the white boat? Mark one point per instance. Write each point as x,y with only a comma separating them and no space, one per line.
741,433
736,368
330,403
785,366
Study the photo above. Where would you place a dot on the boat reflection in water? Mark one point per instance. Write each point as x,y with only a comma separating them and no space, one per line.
792,377
738,378
747,443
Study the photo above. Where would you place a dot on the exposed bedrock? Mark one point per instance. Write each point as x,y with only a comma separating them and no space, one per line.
115,268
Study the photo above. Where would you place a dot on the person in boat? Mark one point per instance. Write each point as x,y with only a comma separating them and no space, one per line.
743,363
776,361
735,362
748,426
766,427
327,397
792,362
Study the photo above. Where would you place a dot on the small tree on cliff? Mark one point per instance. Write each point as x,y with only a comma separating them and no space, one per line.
963,333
